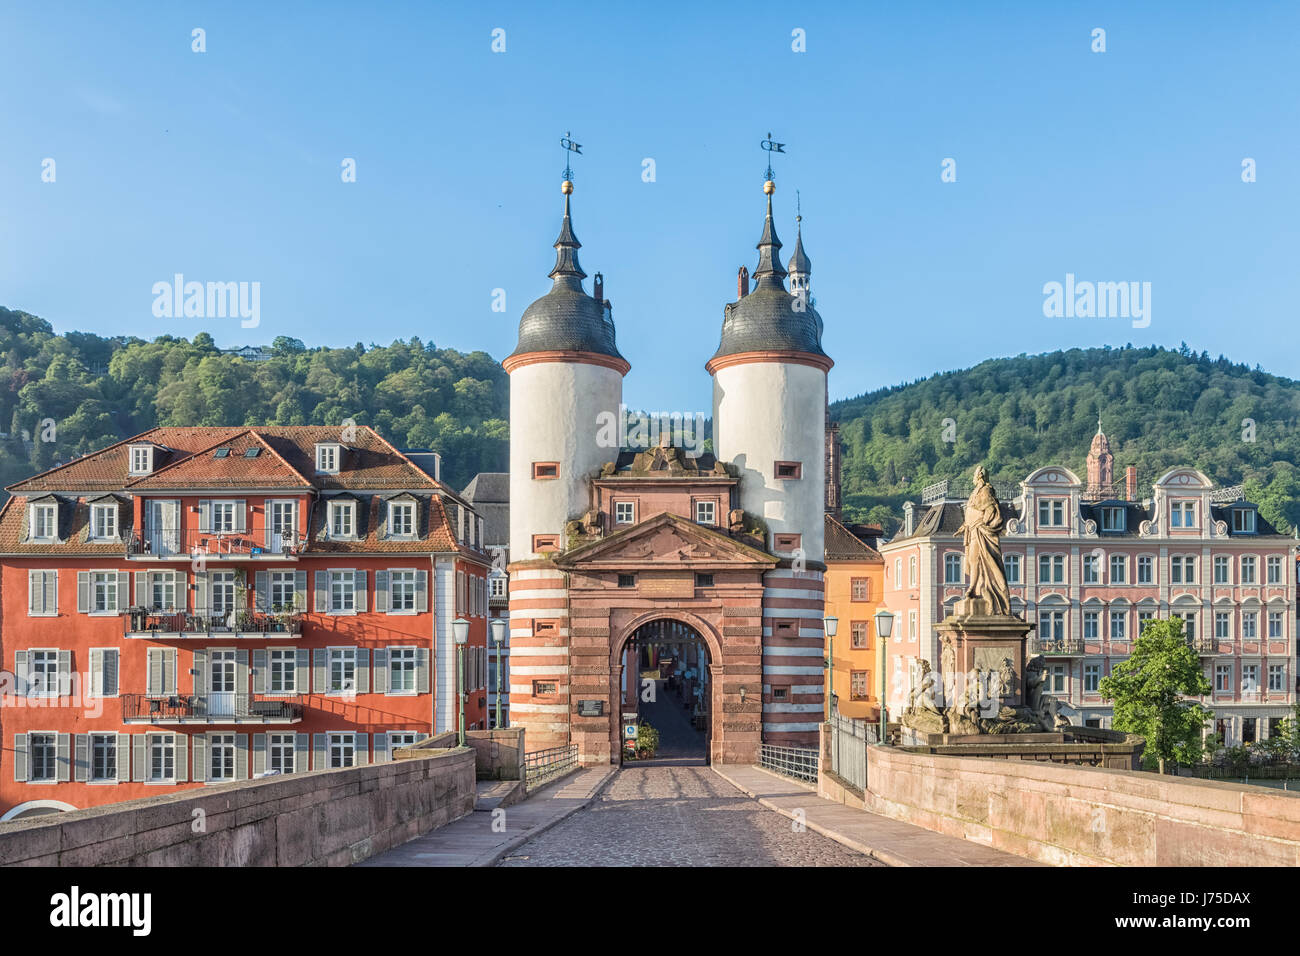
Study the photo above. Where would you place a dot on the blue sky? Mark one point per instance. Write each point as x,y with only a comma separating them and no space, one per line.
225,166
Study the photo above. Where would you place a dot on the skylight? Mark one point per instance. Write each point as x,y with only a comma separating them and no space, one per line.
252,452
221,453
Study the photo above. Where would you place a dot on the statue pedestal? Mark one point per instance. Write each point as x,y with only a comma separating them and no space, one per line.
977,643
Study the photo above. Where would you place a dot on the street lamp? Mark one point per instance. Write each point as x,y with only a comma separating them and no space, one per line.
830,625
460,630
884,627
498,637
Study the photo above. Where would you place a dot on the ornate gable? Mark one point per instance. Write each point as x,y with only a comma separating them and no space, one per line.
665,541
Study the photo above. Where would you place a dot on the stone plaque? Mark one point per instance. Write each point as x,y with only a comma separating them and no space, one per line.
1001,662
591,708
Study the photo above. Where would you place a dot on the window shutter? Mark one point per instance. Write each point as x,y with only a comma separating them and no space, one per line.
153,679
169,670
259,754
22,673
205,515
263,599
20,758
180,745
259,671
123,758
63,764
363,671
322,589
361,590
381,671
112,659
200,747
200,592
34,593
302,672
319,676
182,591
422,590
361,750
142,589
65,673
300,590
81,756
300,746
96,672
123,590
422,670
381,748
241,522
50,590
200,671
320,744
140,755
381,591
241,672
241,756
83,592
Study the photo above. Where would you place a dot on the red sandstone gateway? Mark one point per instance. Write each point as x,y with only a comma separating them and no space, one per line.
206,604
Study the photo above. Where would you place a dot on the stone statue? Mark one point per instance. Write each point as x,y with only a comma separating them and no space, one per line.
983,525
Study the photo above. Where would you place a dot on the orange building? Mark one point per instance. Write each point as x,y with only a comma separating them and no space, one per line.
854,585
206,604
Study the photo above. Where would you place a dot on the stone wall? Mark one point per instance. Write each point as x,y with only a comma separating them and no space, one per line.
498,754
319,818
1086,816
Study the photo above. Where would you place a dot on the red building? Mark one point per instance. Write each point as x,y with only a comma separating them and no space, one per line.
207,604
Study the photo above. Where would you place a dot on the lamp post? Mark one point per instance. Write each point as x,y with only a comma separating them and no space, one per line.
498,636
830,625
884,627
460,630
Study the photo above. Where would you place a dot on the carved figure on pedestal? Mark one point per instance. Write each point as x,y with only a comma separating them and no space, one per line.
980,532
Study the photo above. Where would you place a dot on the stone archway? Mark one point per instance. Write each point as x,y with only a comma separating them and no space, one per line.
35,808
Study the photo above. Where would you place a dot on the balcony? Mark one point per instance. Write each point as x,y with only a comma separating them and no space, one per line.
1208,646
141,623
1057,647
170,544
214,708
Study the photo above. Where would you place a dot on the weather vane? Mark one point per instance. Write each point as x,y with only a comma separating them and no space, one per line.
771,147
569,147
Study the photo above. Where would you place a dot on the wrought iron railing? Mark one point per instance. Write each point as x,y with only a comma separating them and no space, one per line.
849,741
1205,645
543,765
138,620
184,543
1056,647
213,708
797,762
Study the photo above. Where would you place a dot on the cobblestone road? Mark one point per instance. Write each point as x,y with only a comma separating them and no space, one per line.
655,815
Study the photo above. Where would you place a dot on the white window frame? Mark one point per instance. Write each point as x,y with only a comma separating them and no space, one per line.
335,742
222,744
407,510
1091,568
1120,562
1118,629
160,582
1272,569
409,656
1223,625
1278,618
48,515
408,580
221,509
31,756
343,513
1277,677
343,601
1251,578
1113,519
1250,625
1091,678
91,739
952,560
106,588
166,747
1055,564
1243,521
1222,563
1011,568
282,662
141,459
278,747
1051,512
1145,569
328,455
1091,625
625,507
1182,514
42,688
706,513
110,532
341,654
47,612
276,583
1222,678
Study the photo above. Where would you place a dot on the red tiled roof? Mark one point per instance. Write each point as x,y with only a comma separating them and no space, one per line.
204,469
73,528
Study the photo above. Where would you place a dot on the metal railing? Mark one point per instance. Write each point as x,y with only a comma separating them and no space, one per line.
1056,647
797,762
173,543
543,765
1206,645
212,708
138,620
849,741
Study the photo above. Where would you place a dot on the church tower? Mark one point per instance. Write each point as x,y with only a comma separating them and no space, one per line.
1101,467
566,378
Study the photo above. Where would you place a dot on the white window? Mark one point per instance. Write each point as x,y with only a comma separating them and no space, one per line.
1222,572
401,738
1091,569
283,675
342,519
898,574
624,512
162,758
1055,679
43,673
283,591
279,753
141,459
223,516
342,592
1051,569
1223,625
1090,620
1182,514
103,522
1051,513
1274,569
1277,677
103,592
1248,570
222,586
327,459
42,593
952,569
1011,565
1222,678
1051,625
162,591
911,627
42,758
105,663
103,758
401,670
1274,625
1118,625
1249,625
1091,678
1144,618
1249,678
343,670
1189,622
705,512
45,522
1144,569
402,591
1112,519
342,750
1243,520
911,572
1118,569
401,519
221,756
1182,569
498,582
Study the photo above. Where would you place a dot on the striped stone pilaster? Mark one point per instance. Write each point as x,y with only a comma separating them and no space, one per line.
537,655
794,661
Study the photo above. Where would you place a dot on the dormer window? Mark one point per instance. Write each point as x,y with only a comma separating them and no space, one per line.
142,459
103,522
342,519
328,455
1051,513
1243,521
1182,514
401,519
1113,519
44,522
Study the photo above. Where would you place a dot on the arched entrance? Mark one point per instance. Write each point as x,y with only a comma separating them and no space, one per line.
664,674
36,808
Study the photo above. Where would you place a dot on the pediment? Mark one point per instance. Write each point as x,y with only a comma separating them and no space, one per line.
666,541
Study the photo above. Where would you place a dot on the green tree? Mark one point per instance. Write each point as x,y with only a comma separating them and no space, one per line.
1150,691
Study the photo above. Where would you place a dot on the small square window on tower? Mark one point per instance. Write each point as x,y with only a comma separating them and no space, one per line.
627,580
546,469
785,627
786,543
543,543
703,580
789,469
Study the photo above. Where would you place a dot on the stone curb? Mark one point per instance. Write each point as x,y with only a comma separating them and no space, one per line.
884,856
492,858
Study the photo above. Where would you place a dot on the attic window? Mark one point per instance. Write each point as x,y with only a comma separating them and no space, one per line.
327,458
44,522
141,459
252,452
221,453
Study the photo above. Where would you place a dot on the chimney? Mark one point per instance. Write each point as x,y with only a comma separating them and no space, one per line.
1131,483
599,293
742,283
